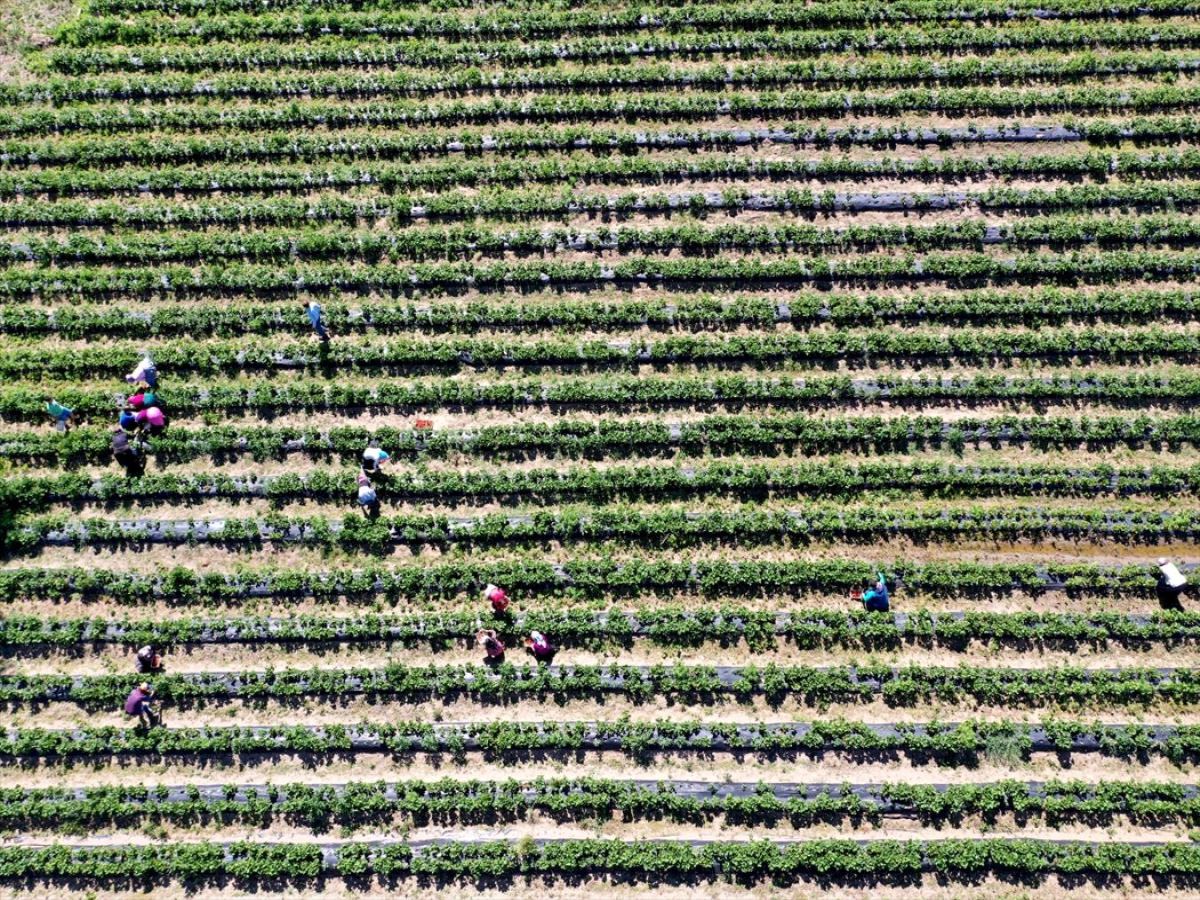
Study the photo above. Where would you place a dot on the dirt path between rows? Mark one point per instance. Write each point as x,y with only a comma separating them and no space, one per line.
826,769
118,659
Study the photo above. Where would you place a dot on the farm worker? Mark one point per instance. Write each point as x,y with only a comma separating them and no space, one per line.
148,661
314,319
152,416
539,646
128,420
126,452
1171,584
59,413
367,498
497,598
140,703
141,400
121,444
490,643
873,596
374,457
144,371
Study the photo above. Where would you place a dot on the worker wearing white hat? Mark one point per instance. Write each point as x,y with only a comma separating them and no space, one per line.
1171,583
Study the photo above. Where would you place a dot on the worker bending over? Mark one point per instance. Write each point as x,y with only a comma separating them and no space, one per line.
374,458
141,703
1171,585
489,642
497,598
873,595
60,414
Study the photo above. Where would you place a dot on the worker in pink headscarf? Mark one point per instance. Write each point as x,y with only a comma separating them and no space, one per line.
151,416
539,645
143,399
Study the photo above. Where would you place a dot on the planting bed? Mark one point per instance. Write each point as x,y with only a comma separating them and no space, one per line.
709,312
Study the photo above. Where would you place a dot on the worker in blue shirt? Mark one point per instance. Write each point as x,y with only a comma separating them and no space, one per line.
873,595
314,319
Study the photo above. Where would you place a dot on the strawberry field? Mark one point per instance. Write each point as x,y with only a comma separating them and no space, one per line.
680,322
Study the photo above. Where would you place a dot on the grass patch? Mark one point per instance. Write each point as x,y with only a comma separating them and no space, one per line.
1005,749
27,25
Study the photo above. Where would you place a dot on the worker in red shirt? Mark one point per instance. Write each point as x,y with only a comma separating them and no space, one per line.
497,598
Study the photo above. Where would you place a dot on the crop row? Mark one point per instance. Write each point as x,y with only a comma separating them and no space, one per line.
725,29
579,578
542,275
1024,69
689,312
367,148
664,626
358,804
649,862
658,526
534,22
624,392
959,743
717,435
506,683
593,168
834,12
549,204
360,51
894,10
539,21
447,352
744,480
684,239
686,312
614,105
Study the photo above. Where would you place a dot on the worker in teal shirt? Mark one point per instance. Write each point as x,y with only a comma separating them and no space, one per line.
874,596
59,413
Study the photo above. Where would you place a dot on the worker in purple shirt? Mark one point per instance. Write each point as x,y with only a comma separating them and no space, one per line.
141,703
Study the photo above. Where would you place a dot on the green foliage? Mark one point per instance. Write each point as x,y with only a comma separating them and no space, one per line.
640,860
661,526
949,744
585,578
908,686
347,40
